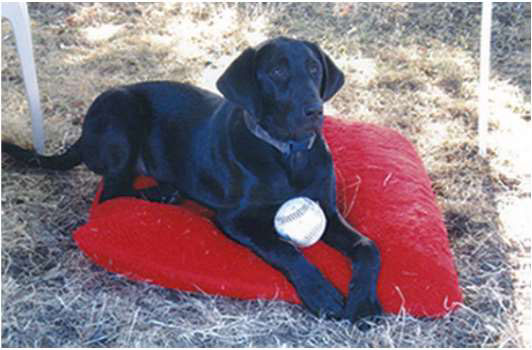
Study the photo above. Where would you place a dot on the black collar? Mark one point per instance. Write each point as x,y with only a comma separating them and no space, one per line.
285,147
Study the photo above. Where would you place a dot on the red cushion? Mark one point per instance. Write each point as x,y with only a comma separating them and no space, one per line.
383,190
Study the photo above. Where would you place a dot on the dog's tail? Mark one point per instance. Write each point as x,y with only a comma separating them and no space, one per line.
65,161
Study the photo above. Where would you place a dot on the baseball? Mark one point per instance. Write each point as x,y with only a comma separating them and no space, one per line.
300,221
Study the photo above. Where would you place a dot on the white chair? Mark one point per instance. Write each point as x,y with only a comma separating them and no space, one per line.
17,14
485,48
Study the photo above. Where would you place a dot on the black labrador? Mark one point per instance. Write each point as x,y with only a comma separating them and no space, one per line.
242,155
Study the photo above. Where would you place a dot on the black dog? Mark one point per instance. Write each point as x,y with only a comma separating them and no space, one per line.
242,156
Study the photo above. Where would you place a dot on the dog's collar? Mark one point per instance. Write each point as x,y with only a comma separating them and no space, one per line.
285,147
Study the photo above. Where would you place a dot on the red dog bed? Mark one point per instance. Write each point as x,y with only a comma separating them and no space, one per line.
382,189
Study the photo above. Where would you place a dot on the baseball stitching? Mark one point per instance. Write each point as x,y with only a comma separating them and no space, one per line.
295,215
309,237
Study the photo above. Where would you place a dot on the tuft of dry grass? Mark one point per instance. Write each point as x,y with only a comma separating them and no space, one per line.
409,66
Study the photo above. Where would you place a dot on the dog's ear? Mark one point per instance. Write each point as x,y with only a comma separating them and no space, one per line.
333,78
238,83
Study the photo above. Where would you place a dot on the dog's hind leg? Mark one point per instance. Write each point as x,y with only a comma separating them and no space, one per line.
111,140
114,160
163,193
117,186
122,186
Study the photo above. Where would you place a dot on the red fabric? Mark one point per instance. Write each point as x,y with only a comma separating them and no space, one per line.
383,190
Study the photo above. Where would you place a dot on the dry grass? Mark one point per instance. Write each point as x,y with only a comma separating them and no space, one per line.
412,67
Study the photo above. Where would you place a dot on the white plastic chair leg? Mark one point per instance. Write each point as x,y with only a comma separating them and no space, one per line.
485,44
17,14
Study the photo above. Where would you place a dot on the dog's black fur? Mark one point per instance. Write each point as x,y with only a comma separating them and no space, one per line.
242,156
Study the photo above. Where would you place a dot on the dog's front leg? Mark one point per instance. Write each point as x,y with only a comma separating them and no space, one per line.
258,234
362,299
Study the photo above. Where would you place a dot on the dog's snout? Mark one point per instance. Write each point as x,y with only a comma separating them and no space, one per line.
313,110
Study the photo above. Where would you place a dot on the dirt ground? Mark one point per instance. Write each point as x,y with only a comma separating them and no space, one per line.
412,67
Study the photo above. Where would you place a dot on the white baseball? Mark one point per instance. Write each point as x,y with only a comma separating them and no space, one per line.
300,221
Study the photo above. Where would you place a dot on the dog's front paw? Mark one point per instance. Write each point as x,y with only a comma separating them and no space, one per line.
319,295
362,311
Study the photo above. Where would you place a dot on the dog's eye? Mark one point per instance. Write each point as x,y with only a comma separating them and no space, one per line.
279,73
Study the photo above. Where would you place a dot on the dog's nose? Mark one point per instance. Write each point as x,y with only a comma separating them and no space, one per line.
314,110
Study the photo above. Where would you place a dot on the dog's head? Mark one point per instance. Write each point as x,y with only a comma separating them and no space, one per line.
282,84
